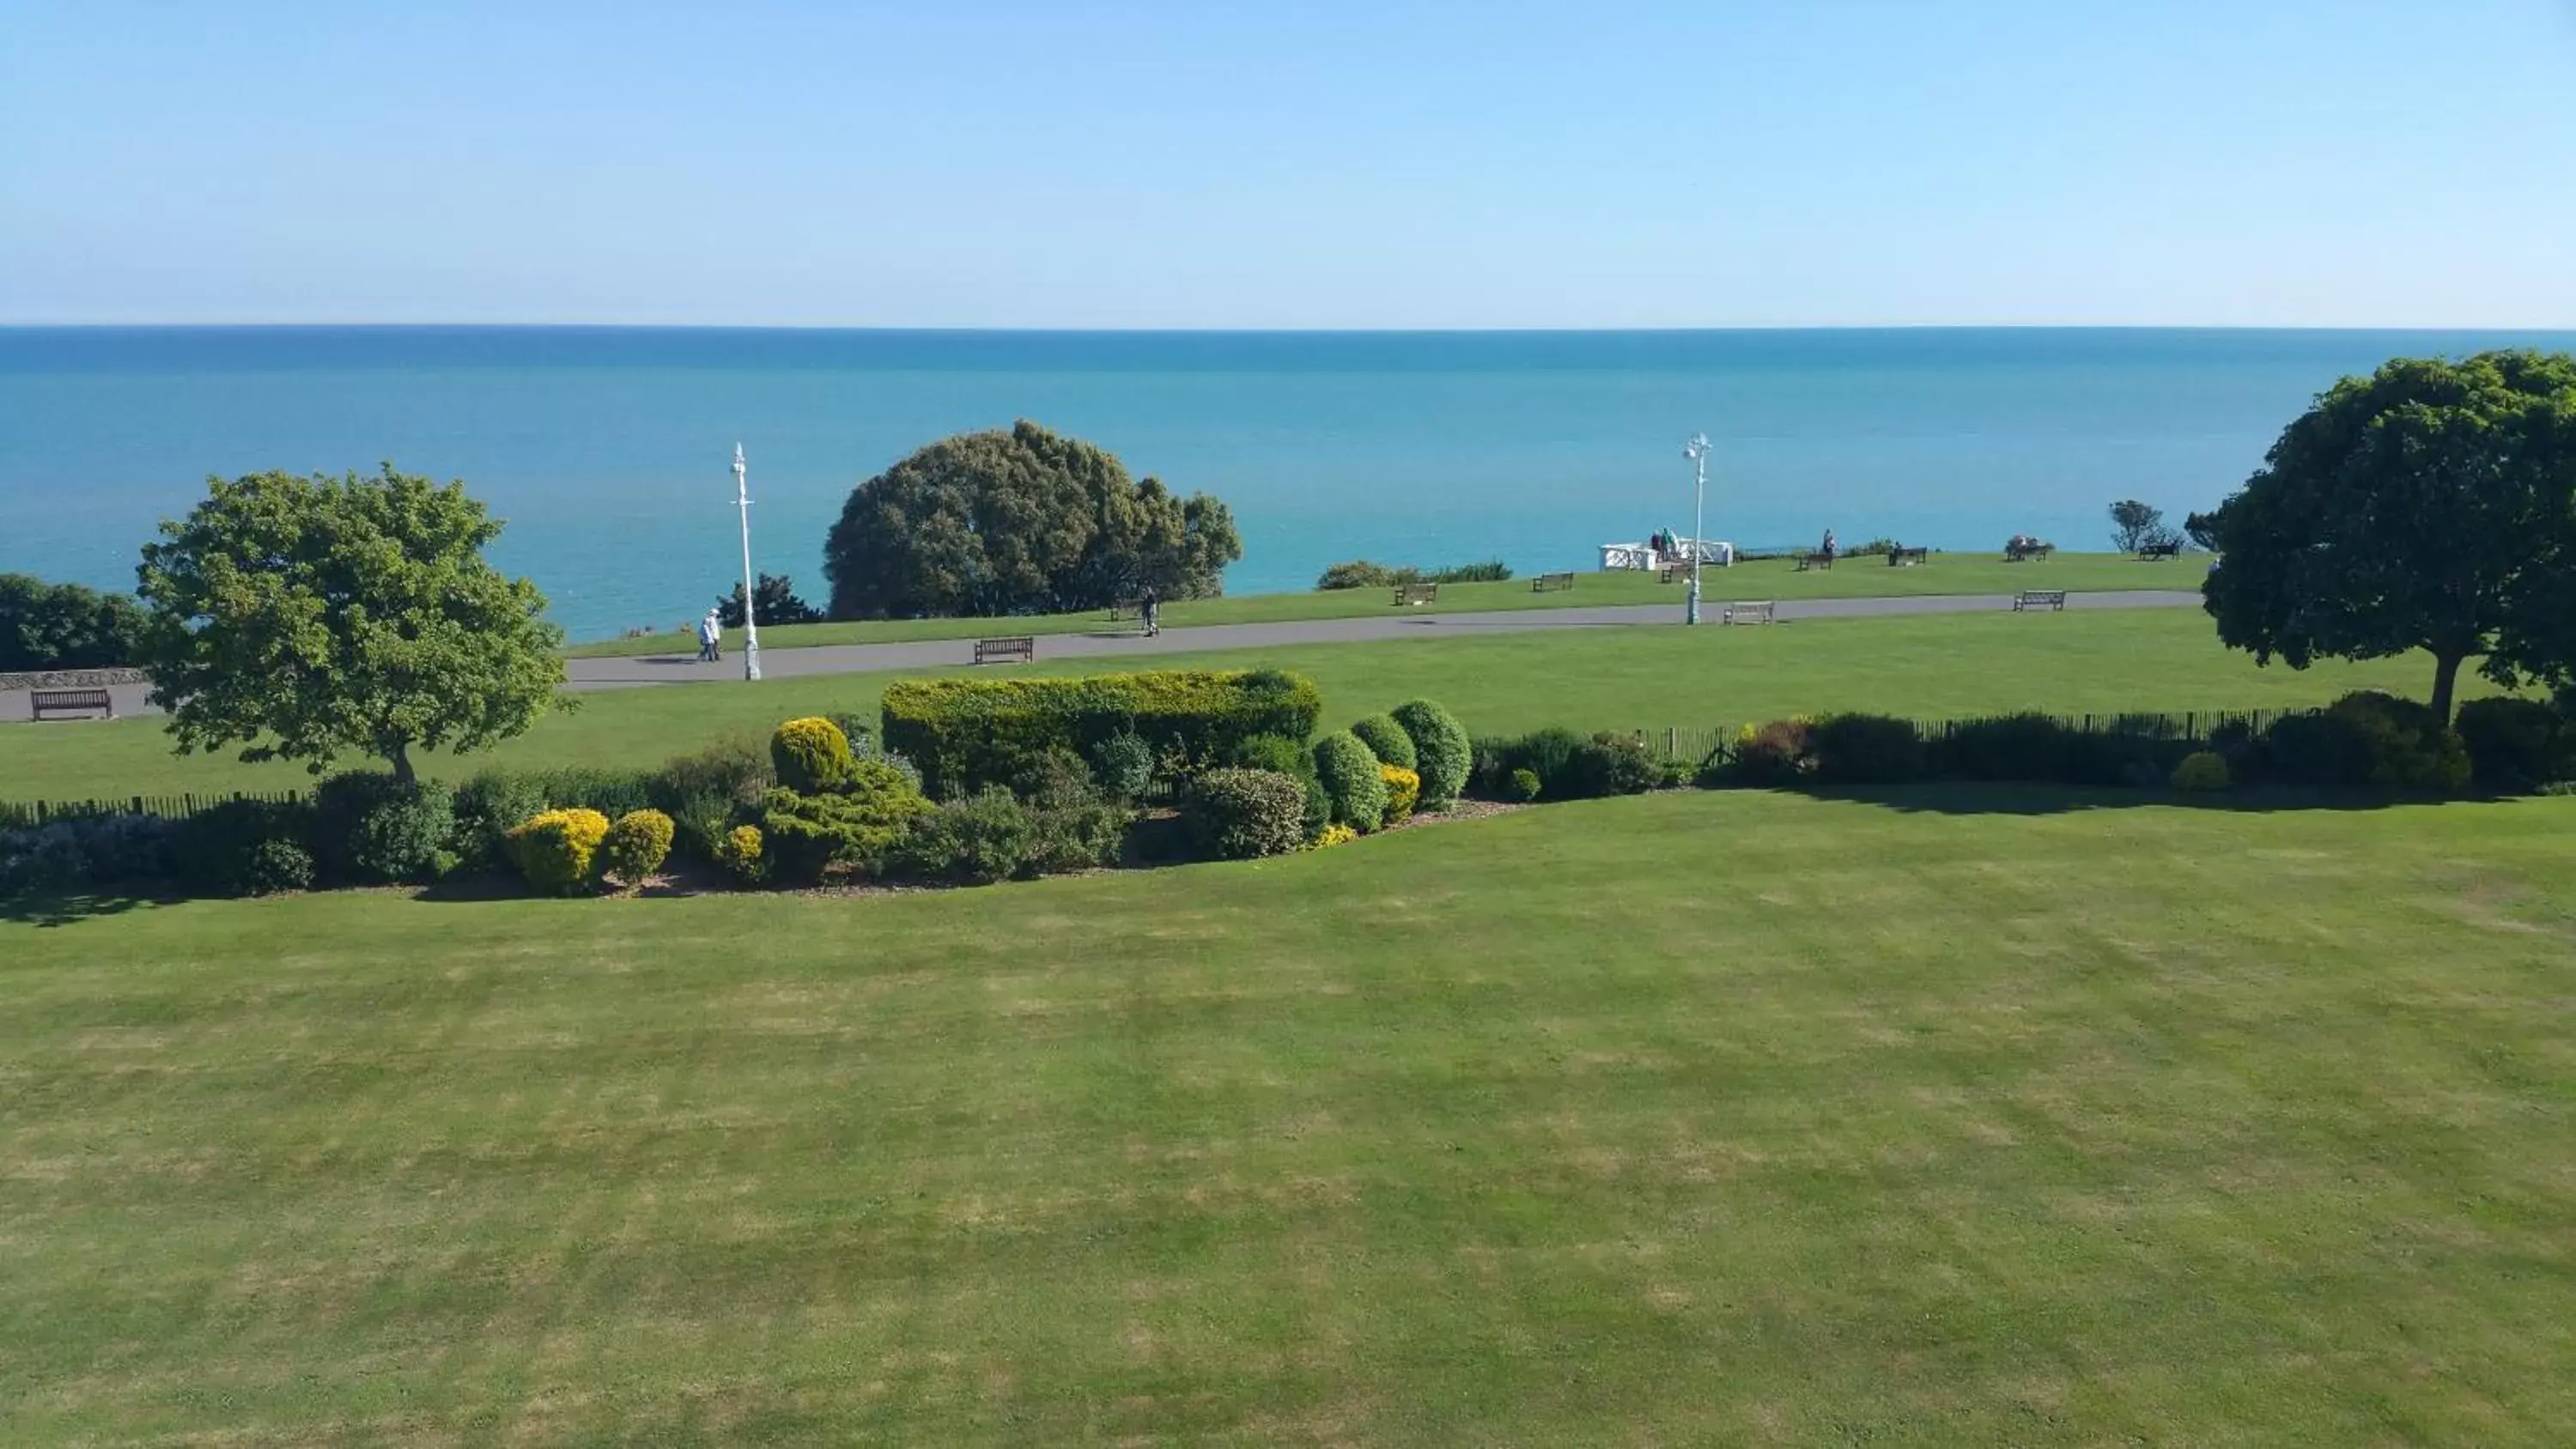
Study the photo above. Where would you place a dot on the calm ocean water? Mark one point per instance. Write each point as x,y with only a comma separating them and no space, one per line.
609,450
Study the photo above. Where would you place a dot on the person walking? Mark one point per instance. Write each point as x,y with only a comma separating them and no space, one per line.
1829,545
1153,611
711,634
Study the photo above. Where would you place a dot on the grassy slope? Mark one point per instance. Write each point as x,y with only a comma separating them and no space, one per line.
1947,574
1898,1126
1594,679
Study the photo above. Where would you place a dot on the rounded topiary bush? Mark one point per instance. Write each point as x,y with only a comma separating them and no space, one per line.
1238,814
1521,786
1386,739
1403,789
372,829
742,854
1868,749
556,851
811,755
2202,770
1443,754
1352,785
635,846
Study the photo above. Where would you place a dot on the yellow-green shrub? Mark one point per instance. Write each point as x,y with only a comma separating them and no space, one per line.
1403,788
741,854
555,849
636,846
966,733
811,755
1335,835
2204,770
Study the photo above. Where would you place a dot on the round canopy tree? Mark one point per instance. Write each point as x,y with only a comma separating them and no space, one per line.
2431,505
314,617
1019,522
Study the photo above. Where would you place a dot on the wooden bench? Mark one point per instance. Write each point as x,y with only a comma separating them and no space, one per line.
45,702
1551,583
2160,550
2017,553
2030,600
1900,556
1749,611
990,651
1808,561
1672,573
1406,594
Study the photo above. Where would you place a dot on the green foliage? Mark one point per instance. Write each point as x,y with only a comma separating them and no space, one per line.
988,836
635,847
1238,814
1290,757
2202,771
1782,752
1348,773
2134,525
1055,778
1569,766
1548,754
1521,786
1124,766
741,853
853,829
2431,505
1362,574
810,755
778,603
2515,744
2365,738
1442,751
373,829
246,847
1019,522
87,850
65,626
307,618
557,850
967,733
704,793
1868,749
1403,791
488,808
1386,739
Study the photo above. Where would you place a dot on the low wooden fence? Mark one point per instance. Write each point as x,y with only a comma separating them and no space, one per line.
1715,744
18,814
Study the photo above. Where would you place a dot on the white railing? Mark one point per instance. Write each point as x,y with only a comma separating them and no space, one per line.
1713,551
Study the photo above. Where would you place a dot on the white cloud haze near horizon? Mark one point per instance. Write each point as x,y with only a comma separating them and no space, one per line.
1158,165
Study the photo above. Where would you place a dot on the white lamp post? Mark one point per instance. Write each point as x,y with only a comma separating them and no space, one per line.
1697,451
750,625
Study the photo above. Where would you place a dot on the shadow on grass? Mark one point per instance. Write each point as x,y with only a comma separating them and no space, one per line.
2024,799
70,908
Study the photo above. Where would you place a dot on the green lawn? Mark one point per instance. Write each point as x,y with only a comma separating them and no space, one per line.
1775,579
1593,679
1738,1119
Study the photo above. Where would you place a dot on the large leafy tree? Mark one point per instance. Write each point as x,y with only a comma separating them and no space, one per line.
1019,522
64,626
2431,505
309,618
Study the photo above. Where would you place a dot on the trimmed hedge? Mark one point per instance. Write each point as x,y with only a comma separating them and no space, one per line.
1238,814
372,829
246,847
1442,752
556,851
854,828
1352,785
1868,749
636,847
968,733
810,755
1387,740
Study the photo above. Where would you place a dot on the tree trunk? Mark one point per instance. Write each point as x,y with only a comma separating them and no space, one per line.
2446,679
402,762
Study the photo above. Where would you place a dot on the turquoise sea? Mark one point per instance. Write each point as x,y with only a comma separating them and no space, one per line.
609,449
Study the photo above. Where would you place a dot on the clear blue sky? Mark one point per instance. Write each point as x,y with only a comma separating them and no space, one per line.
1200,163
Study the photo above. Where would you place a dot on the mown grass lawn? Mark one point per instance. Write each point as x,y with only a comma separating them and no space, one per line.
1951,1119
1967,573
1607,678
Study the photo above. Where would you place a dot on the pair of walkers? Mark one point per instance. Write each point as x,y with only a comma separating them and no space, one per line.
710,638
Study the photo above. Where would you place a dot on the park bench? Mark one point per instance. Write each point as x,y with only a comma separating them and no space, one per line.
1672,573
45,702
2160,550
1901,556
1748,611
1024,649
1808,561
1416,594
2017,552
1551,583
2030,600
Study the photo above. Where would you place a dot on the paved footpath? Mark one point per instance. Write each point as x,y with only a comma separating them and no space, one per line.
631,673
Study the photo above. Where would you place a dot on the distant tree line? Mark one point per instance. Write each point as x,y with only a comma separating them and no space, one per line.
65,626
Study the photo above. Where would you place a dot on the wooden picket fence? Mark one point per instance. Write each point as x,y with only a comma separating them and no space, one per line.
1705,745
19,814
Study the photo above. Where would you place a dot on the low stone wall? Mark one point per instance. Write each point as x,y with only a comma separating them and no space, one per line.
73,679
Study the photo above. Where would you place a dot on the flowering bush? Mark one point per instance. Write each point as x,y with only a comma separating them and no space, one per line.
636,846
1334,835
1403,788
556,850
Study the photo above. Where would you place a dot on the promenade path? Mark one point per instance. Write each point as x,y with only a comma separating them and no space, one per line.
1115,641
